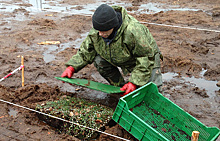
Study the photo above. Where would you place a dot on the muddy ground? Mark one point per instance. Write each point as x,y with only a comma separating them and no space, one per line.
188,53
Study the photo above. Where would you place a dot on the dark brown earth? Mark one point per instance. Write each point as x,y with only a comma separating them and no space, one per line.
187,52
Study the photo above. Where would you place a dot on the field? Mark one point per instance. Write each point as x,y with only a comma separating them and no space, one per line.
187,33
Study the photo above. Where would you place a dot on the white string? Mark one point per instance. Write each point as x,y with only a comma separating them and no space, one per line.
182,27
63,120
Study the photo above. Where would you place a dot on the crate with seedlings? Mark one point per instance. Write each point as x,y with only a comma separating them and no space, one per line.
149,116
78,111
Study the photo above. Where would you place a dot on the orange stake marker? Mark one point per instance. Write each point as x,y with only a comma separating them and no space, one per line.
22,63
195,136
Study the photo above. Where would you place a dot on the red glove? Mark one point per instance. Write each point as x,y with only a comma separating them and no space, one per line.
68,72
129,87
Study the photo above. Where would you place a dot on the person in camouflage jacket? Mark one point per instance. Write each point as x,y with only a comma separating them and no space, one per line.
118,40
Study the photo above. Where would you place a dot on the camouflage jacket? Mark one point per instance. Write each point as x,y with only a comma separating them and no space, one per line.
133,49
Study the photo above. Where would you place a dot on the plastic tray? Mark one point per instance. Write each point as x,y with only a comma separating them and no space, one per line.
149,116
92,85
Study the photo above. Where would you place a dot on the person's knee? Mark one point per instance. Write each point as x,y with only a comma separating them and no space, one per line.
156,77
98,61
108,71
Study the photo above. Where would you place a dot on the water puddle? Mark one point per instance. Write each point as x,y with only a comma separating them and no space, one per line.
4,7
12,112
79,41
87,8
48,55
52,50
37,6
151,8
37,3
209,86
169,76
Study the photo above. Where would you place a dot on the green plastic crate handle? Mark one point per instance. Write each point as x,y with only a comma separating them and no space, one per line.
135,95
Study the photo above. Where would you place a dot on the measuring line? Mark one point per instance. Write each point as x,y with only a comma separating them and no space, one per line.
63,120
175,26
181,27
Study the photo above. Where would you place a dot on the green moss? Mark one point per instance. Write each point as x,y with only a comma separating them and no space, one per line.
79,111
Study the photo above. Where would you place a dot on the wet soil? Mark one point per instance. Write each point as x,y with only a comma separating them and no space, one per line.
186,52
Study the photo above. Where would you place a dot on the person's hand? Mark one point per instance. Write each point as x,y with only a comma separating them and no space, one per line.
129,87
68,72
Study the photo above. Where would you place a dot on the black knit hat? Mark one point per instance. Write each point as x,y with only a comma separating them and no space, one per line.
105,18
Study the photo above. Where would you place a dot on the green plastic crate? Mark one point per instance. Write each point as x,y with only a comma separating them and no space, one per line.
149,116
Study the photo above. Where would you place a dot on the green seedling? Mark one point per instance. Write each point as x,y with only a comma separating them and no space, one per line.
79,111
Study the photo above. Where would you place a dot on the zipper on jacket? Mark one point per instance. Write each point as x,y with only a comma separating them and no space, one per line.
108,45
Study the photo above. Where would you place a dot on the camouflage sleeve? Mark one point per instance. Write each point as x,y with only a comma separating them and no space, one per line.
144,51
85,55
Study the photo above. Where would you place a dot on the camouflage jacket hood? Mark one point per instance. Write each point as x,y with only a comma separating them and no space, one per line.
133,49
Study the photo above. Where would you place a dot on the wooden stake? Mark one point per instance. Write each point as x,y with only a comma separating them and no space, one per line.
22,63
195,136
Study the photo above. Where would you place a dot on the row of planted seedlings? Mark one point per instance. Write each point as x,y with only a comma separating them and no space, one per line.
78,111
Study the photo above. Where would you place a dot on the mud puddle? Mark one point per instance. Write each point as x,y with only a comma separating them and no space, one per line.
37,6
203,84
88,8
152,8
12,111
51,51
20,37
